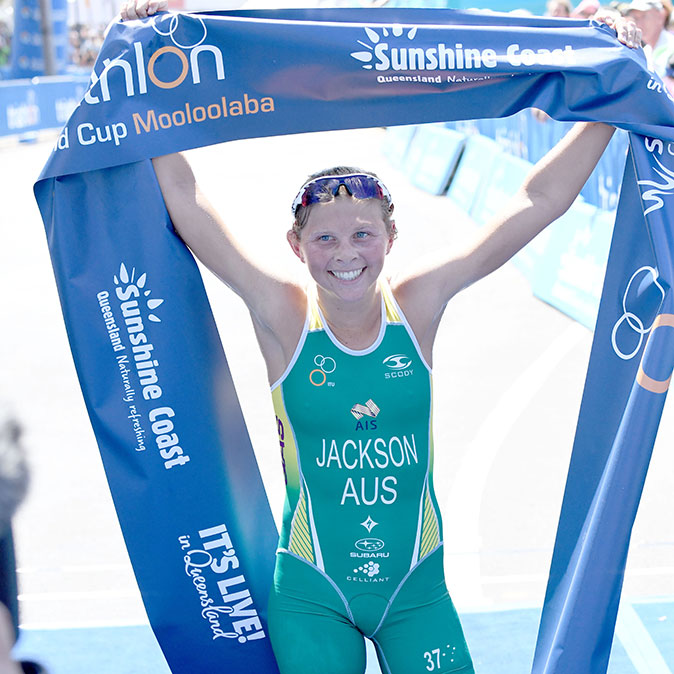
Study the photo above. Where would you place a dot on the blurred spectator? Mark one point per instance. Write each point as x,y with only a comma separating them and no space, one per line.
13,486
5,43
668,79
652,16
85,43
586,9
558,8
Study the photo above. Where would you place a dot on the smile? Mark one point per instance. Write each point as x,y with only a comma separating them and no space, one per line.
348,275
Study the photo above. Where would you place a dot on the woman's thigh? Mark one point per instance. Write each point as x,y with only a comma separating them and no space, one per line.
421,632
308,624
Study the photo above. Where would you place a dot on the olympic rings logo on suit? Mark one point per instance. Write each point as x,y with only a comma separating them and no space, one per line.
174,20
326,366
661,320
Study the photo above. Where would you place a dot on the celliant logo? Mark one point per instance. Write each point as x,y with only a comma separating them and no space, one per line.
187,33
369,569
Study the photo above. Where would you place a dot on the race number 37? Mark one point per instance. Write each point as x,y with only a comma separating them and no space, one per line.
432,659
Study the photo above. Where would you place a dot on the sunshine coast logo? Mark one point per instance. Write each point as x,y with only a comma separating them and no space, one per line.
140,70
388,48
125,313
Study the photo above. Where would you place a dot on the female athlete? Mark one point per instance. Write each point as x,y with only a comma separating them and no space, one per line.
360,553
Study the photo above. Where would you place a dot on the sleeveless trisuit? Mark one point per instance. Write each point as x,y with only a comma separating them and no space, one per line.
360,551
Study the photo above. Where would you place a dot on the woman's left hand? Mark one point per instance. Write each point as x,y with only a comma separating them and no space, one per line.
628,32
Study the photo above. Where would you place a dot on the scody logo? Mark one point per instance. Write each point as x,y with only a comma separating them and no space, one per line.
398,365
381,56
140,67
397,362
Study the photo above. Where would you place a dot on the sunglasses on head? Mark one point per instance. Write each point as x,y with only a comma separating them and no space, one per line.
358,185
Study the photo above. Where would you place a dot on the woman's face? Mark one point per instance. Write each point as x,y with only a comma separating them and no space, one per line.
344,244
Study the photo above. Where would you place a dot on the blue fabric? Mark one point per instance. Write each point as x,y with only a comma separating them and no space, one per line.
172,437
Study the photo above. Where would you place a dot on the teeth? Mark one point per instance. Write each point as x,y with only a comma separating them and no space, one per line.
348,275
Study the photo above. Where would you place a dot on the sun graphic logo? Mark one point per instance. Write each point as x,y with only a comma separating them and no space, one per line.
134,287
375,47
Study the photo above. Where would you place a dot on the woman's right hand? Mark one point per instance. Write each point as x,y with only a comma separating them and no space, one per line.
141,9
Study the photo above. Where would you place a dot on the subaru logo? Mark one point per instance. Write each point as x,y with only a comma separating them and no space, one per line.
370,544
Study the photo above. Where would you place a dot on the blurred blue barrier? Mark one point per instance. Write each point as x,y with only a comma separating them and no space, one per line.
39,103
398,139
570,275
477,161
504,180
531,135
565,264
433,156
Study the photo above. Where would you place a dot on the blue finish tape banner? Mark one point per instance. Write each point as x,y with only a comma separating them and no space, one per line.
155,379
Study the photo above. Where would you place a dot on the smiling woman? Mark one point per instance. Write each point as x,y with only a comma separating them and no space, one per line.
354,414
368,329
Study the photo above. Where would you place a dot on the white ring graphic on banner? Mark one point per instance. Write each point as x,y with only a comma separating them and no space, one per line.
173,26
631,318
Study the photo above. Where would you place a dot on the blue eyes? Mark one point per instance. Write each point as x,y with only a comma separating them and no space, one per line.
357,235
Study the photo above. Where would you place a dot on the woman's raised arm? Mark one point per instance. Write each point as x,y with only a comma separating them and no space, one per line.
549,190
